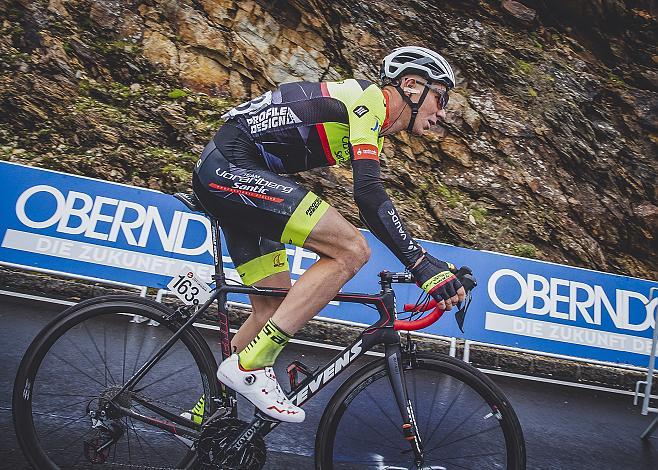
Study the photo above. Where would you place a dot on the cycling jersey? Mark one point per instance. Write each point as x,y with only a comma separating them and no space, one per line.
306,125
296,127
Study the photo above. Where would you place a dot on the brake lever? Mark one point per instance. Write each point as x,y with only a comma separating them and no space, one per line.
460,316
465,276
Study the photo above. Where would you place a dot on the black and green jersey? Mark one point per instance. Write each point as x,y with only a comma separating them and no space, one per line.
306,125
297,127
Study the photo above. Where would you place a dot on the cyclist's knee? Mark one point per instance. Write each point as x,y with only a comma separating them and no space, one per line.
361,246
356,253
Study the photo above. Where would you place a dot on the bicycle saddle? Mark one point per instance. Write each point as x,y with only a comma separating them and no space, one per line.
190,200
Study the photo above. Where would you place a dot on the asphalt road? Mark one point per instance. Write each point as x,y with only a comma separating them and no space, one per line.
564,427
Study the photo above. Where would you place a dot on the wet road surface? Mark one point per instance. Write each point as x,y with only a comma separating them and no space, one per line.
564,427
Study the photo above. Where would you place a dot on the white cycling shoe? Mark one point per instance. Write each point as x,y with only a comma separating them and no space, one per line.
261,388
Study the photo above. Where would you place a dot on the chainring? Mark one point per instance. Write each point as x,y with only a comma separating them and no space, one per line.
219,435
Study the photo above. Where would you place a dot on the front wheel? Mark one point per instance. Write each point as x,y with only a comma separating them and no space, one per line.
463,420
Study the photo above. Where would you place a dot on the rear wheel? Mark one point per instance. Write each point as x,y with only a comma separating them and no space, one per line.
81,360
462,417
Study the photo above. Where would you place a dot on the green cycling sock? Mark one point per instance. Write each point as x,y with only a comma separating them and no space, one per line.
264,348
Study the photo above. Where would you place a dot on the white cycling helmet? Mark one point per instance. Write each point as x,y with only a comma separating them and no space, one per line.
418,60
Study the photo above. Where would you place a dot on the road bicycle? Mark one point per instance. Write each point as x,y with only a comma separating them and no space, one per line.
95,389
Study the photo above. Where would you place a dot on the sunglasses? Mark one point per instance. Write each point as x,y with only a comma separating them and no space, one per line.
440,91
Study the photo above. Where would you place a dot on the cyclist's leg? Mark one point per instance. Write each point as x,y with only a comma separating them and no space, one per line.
262,310
343,251
262,263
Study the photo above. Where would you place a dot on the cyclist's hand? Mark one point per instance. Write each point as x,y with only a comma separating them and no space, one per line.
438,279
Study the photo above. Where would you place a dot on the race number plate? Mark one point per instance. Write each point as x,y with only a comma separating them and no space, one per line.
189,288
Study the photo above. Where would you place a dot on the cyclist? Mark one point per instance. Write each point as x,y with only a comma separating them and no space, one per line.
294,128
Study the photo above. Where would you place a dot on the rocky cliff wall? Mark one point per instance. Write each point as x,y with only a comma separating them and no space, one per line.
548,149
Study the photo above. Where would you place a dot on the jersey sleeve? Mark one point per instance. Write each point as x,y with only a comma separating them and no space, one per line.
366,115
378,213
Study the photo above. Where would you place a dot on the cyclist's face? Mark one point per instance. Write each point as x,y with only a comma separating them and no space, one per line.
431,110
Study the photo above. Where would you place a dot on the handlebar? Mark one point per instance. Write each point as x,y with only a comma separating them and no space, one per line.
465,276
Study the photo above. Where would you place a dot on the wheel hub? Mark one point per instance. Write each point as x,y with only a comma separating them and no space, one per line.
109,397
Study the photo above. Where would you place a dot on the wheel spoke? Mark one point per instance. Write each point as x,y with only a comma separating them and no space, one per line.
379,407
452,403
65,407
458,426
129,455
484,431
125,343
98,351
176,372
64,426
137,356
489,454
78,369
431,408
82,354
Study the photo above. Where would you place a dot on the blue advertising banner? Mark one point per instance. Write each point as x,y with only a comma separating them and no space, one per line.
88,227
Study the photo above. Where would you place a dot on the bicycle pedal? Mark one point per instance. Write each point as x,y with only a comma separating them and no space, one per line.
293,374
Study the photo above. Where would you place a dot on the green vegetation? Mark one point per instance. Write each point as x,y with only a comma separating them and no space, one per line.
176,165
535,38
114,47
5,153
170,157
44,133
108,112
342,72
532,92
177,173
479,215
616,80
526,250
524,67
177,94
450,196
84,86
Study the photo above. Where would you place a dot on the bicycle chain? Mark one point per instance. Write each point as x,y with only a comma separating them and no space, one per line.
155,400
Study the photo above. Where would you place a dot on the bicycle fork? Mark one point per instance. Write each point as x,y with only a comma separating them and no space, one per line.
393,353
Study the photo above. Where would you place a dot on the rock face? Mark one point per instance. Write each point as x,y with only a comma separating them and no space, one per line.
548,149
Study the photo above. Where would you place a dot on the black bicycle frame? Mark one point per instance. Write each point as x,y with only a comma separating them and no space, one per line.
380,332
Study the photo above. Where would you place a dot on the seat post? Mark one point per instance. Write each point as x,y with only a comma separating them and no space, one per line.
217,249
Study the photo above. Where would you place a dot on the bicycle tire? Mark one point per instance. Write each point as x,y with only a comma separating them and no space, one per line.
458,370
24,391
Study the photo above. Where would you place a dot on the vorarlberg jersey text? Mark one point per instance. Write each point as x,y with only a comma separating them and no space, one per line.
253,182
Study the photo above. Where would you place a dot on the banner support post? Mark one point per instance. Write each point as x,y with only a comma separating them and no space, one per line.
652,363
